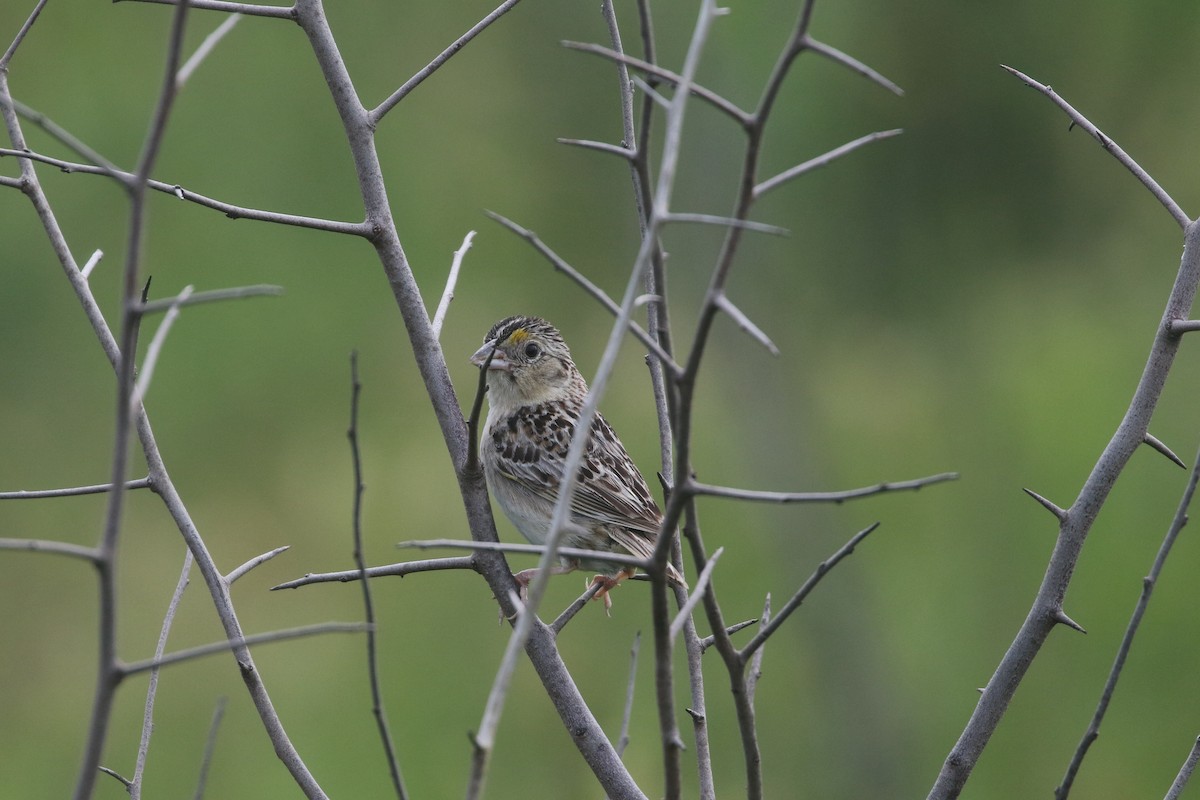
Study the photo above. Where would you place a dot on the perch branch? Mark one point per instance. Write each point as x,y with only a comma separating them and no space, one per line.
399,570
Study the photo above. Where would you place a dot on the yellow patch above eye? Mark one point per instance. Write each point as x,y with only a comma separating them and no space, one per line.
518,336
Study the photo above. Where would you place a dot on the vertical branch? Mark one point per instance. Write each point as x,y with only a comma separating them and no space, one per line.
108,671
377,708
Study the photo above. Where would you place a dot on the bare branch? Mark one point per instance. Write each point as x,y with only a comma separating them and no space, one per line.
205,48
754,667
254,562
246,641
822,160
249,9
458,44
211,296
50,546
592,289
697,488
1185,773
1178,327
515,547
91,263
746,324
727,222
21,34
576,606
627,714
398,570
99,488
667,75
1110,685
156,344
451,281
709,641
603,147
135,785
697,594
837,56
210,744
1108,144
64,136
794,602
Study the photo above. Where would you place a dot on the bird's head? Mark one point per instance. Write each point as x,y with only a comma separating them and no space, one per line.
530,363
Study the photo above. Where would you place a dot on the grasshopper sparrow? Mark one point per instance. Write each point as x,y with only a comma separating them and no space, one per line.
534,400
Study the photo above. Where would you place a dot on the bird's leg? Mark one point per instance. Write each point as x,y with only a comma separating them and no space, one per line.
606,583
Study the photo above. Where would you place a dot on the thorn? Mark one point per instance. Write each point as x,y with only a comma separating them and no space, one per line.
1061,618
1060,513
696,715
146,288
1154,442
981,689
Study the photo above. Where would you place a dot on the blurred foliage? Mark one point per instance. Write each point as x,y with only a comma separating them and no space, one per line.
976,295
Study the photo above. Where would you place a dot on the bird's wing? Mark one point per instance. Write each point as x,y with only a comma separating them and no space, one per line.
531,448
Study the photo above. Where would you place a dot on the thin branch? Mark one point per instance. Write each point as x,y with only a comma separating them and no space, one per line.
696,596
627,713
21,34
210,744
64,136
697,488
576,606
1093,730
74,491
592,289
247,641
206,47
727,222
135,785
518,547
1178,327
851,63
152,352
377,707
746,324
241,570
228,209
458,44
399,570
754,667
92,261
249,9
768,628
709,641
714,99
211,296
451,281
602,147
1109,145
1185,773
823,160
49,546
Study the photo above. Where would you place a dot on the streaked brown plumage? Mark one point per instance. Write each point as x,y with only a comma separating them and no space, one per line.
535,395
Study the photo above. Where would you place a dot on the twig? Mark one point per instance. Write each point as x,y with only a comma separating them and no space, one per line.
821,161
152,352
200,651
601,147
21,34
1185,773
249,9
697,488
377,707
212,296
50,546
851,63
697,594
65,137
746,324
205,48
241,570
1135,620
667,75
708,641
135,785
400,570
451,281
592,289
210,744
516,547
627,713
726,222
458,44
1109,145
754,668
576,606
74,491
769,627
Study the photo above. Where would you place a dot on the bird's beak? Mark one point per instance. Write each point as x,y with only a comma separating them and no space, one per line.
498,360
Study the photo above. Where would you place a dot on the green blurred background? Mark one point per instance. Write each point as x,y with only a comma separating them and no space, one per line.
977,295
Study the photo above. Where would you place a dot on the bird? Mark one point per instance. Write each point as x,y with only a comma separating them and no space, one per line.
535,397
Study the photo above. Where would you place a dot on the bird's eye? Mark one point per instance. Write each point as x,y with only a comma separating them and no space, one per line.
532,350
